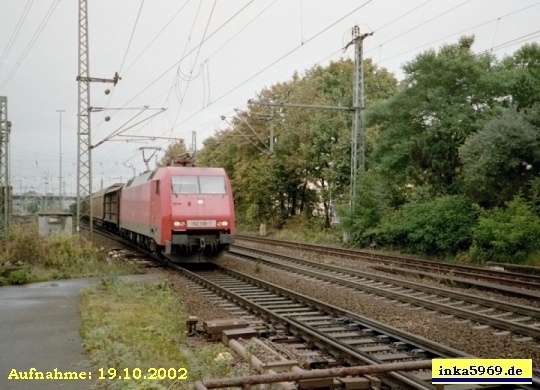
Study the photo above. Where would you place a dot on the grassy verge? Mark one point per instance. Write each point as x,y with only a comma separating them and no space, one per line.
26,257
300,229
142,326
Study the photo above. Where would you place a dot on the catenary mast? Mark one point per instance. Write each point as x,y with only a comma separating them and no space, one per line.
84,146
5,187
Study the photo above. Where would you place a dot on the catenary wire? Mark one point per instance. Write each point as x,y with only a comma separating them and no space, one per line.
15,33
124,60
157,36
458,33
278,60
30,44
496,48
144,51
424,23
195,61
303,42
191,51
131,37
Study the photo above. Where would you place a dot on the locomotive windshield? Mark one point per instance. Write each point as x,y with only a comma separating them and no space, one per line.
198,184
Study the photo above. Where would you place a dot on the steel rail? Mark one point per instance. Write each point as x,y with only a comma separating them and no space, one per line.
437,349
352,354
423,343
515,327
519,309
509,278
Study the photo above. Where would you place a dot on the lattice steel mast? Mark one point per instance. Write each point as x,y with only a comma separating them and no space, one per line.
194,144
5,187
84,158
358,131
84,149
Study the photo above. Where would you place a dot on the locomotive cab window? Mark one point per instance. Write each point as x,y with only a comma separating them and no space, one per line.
198,185
185,185
212,185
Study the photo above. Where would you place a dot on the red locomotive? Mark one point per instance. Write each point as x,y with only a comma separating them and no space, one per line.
173,211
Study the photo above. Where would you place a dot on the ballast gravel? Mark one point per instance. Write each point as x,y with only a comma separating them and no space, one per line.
458,334
461,335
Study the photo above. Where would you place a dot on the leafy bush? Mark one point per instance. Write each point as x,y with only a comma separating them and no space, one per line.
19,276
441,226
510,234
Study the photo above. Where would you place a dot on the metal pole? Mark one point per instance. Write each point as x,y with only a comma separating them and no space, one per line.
194,143
60,197
84,175
9,190
272,113
5,126
84,151
358,131
312,374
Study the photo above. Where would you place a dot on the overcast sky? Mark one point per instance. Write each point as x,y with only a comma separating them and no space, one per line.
200,60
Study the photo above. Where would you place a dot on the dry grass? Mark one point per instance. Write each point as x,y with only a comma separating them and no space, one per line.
35,258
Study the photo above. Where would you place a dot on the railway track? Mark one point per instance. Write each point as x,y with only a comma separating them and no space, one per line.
339,334
316,333
404,264
325,335
342,335
519,319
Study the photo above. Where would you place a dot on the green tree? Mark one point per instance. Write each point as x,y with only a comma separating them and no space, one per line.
502,160
173,150
242,154
523,69
445,96
310,166
373,204
329,132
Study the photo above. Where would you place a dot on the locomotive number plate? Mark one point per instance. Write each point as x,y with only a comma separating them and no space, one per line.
205,223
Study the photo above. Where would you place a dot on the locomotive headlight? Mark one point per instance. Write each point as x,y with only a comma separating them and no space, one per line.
222,223
179,223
